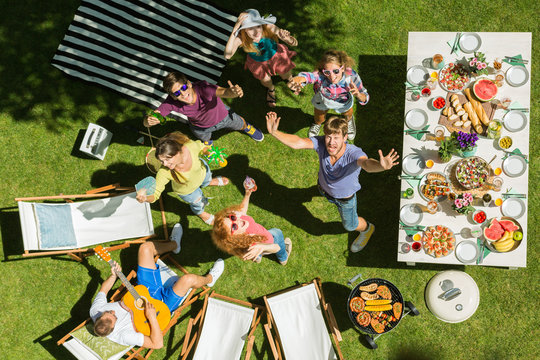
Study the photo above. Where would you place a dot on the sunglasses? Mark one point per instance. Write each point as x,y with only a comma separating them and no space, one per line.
335,71
234,225
183,88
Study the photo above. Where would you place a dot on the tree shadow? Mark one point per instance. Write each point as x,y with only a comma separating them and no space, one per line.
280,200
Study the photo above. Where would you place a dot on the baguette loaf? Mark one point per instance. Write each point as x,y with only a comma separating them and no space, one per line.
473,118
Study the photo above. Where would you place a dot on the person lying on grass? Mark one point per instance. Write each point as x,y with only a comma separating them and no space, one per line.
339,166
238,234
114,320
189,173
201,103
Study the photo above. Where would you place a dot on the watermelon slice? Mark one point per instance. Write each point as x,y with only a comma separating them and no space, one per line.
494,231
484,89
508,225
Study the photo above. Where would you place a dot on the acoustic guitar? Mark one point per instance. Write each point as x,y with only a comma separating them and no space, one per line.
136,298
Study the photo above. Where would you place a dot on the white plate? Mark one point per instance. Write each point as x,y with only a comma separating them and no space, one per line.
417,75
413,164
470,42
411,214
513,207
416,119
517,76
467,251
514,166
515,120
423,181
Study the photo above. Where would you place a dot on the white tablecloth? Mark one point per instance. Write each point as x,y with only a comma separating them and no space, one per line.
424,45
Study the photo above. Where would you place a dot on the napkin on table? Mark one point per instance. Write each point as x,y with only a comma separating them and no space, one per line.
513,62
415,134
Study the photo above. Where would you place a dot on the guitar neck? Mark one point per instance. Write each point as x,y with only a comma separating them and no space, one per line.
126,282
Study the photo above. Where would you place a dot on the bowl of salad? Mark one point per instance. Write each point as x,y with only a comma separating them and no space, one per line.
454,77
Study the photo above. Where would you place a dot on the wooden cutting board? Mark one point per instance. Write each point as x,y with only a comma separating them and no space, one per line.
444,120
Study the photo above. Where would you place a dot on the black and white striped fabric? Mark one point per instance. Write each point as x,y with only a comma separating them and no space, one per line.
130,45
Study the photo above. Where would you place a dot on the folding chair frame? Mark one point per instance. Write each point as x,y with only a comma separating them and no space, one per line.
106,191
117,295
199,319
275,340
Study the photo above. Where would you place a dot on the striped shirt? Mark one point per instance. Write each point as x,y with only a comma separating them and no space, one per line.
338,92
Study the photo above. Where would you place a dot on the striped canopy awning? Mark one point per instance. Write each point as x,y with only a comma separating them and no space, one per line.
130,45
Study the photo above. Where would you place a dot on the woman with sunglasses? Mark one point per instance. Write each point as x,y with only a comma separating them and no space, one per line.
188,173
258,36
336,85
201,103
238,234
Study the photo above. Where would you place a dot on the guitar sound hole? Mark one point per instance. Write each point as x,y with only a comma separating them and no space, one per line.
139,303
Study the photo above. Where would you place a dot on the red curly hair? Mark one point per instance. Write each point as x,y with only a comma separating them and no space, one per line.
247,42
236,245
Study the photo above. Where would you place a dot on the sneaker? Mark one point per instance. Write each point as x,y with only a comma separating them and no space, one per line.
176,236
314,130
361,241
288,249
351,129
254,133
208,142
216,271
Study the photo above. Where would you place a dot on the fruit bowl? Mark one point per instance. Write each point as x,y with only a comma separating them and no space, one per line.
479,217
499,232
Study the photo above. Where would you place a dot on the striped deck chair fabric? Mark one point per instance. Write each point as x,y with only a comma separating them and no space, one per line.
130,45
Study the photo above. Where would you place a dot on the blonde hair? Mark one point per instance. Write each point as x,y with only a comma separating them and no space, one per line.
247,42
335,57
170,145
236,245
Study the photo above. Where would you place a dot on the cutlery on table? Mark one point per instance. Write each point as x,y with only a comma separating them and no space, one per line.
519,196
408,177
515,59
509,153
493,158
456,41
481,257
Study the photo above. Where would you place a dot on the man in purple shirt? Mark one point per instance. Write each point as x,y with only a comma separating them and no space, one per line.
201,103
339,166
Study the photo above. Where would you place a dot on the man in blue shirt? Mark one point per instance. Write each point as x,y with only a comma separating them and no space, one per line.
339,166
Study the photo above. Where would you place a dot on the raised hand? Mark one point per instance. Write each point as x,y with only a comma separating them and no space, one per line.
285,35
236,90
272,122
239,21
295,84
388,161
356,93
150,120
253,252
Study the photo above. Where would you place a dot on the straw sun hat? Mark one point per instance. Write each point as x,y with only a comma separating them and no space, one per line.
255,19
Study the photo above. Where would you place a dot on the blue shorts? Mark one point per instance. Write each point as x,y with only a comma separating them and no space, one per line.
151,278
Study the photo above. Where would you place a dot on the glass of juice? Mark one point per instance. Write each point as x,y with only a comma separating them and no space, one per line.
496,183
416,246
433,207
505,102
497,171
439,133
497,64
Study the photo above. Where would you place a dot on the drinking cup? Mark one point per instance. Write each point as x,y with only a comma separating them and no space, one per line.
416,246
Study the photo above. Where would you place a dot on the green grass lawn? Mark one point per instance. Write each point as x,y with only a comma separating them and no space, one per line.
42,112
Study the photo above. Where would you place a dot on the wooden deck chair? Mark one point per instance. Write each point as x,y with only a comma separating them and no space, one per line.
84,345
296,327
69,227
225,324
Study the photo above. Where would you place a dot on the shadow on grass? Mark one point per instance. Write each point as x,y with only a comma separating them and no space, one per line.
79,312
280,200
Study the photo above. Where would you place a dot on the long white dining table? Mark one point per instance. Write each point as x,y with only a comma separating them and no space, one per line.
422,46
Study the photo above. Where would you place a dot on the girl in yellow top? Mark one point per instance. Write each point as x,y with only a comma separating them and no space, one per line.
181,164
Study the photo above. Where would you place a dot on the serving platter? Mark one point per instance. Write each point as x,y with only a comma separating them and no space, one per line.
447,81
429,179
489,243
438,241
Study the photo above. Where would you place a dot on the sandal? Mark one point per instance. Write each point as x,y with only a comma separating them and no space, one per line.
271,99
221,181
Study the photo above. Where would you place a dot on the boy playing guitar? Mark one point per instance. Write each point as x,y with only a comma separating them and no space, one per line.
116,321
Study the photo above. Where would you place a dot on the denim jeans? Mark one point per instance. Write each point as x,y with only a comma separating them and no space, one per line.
280,240
196,200
346,208
232,121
